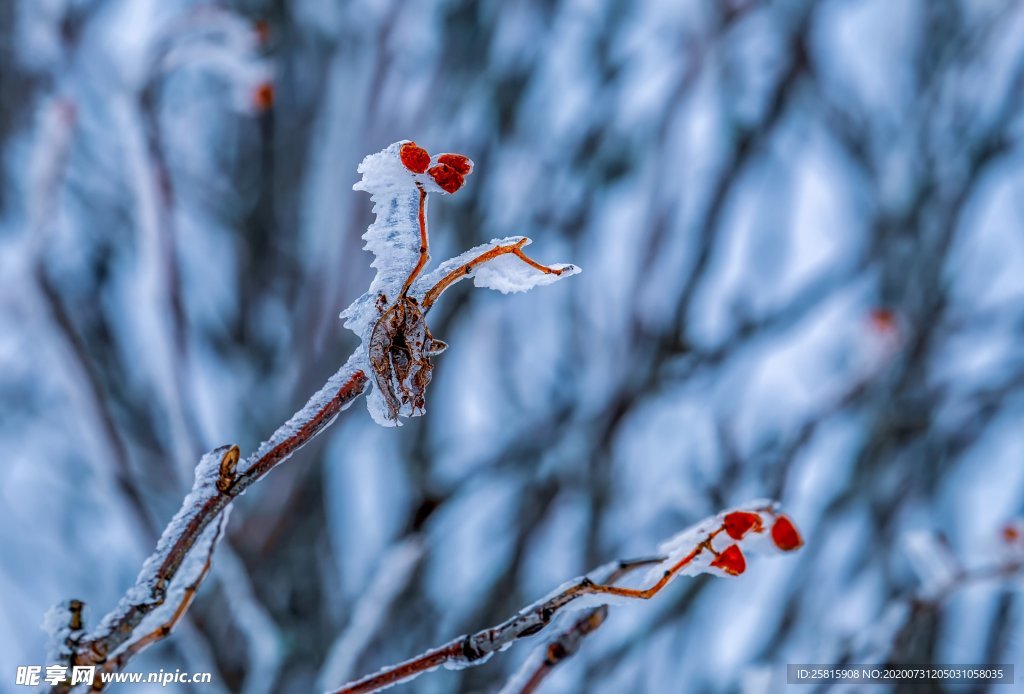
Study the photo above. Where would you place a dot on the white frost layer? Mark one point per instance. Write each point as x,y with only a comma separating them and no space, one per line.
675,549
355,362
394,238
384,170
142,593
57,627
378,409
187,574
506,273
679,546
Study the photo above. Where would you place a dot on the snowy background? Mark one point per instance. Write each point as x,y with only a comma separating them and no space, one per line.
802,234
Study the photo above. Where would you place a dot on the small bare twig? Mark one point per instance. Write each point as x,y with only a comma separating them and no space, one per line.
567,643
118,628
398,352
702,556
164,630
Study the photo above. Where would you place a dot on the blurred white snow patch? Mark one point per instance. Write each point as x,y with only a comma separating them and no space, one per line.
880,76
469,548
372,608
759,679
932,560
127,38
671,441
988,261
469,390
969,622
366,491
264,645
38,32
979,496
804,370
661,658
823,471
521,676
557,546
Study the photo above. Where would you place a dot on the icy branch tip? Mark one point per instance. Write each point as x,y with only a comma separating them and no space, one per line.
390,318
406,165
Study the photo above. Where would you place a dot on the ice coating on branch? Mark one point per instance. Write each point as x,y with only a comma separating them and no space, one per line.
394,235
711,546
748,527
59,633
314,405
506,273
190,570
399,179
146,590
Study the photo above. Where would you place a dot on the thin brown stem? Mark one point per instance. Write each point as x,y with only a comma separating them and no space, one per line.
565,646
424,243
569,641
465,269
165,629
94,650
474,649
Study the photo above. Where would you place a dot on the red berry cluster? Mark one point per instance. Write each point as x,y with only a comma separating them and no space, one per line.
449,173
737,524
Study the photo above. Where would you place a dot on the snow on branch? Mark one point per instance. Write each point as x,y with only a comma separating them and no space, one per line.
718,545
390,318
396,349
567,643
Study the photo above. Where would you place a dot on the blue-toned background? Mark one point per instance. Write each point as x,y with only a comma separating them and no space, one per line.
802,233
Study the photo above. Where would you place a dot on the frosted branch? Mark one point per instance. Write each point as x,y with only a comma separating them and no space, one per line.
180,551
540,664
716,546
396,349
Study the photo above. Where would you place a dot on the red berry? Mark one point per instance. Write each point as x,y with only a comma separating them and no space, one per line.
731,561
785,535
414,157
883,321
739,523
263,96
458,162
448,178
261,27
1011,533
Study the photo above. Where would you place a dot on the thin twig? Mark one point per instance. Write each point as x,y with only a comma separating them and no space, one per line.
566,644
164,630
339,392
475,649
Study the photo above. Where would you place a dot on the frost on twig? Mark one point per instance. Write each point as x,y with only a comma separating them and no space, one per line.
396,348
718,545
165,587
545,659
171,576
390,318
